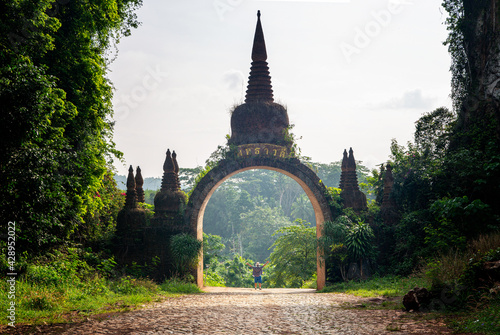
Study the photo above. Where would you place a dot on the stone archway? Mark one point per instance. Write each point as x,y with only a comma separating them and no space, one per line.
293,168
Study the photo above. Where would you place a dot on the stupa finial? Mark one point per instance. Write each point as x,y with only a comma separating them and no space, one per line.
344,160
259,83
174,160
351,163
168,165
139,182
259,44
351,194
130,179
131,196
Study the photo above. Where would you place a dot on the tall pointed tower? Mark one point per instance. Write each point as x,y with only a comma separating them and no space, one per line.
259,119
170,200
351,193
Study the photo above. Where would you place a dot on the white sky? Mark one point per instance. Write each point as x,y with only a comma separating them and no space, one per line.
351,73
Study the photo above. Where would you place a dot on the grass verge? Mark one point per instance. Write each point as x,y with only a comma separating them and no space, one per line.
72,284
71,302
389,286
484,320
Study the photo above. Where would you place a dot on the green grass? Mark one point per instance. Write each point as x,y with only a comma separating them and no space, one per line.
63,287
179,286
484,321
38,303
389,286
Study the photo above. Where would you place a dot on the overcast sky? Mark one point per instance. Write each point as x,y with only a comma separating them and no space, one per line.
352,73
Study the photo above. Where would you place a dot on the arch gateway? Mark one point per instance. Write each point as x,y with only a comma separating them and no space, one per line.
293,168
260,139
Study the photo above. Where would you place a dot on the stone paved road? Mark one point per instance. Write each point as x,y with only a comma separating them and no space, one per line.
246,311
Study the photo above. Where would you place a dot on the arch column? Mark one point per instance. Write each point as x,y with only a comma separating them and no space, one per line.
293,168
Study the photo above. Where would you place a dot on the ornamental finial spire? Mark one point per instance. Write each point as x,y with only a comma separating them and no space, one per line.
259,83
259,45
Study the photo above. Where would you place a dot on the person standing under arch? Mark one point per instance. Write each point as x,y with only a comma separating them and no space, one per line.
257,271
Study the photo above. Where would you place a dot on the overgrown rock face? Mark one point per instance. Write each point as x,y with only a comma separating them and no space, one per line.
259,122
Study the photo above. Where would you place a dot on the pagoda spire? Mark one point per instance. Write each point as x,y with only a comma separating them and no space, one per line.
139,182
351,194
131,196
259,44
259,119
343,174
351,162
170,199
169,181
259,87
176,170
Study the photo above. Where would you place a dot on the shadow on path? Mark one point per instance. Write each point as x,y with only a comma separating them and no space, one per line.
246,290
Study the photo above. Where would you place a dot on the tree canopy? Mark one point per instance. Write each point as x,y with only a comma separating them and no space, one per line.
56,112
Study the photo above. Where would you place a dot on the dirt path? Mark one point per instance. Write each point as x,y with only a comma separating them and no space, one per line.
246,311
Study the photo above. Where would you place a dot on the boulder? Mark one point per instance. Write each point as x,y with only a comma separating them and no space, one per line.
416,298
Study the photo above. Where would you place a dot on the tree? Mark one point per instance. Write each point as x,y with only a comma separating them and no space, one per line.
294,255
419,169
432,133
99,225
212,248
332,242
237,273
55,113
328,173
187,177
302,209
345,241
33,115
258,227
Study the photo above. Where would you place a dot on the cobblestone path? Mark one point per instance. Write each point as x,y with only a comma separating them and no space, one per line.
246,311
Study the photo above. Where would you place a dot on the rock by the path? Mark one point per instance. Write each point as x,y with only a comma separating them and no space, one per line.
416,298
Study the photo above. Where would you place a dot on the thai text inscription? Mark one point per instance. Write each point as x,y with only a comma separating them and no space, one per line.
263,149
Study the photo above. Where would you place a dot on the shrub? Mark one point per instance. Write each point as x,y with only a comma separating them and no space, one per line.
129,285
212,278
185,250
459,276
42,275
39,303
176,285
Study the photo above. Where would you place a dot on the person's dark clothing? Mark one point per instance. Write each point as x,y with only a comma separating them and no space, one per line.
257,271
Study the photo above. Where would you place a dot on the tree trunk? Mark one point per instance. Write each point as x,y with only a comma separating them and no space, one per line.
361,268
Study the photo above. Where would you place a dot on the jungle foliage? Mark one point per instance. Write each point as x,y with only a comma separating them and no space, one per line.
56,183
56,115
